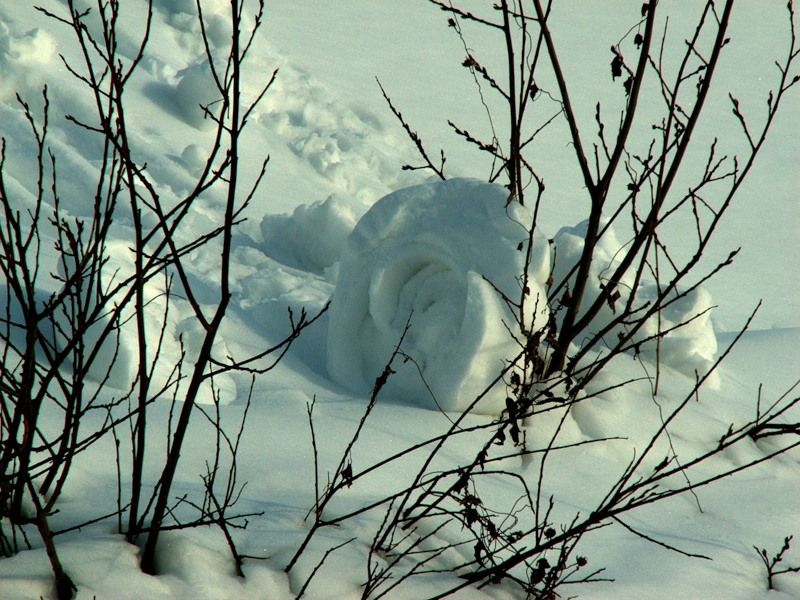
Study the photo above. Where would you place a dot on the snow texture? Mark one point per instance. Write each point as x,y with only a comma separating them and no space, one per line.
22,56
429,256
680,336
426,248
312,237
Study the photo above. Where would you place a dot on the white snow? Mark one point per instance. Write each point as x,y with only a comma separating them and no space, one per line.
323,227
690,348
408,262
313,236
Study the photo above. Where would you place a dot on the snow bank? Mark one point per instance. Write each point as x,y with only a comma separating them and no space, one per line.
111,364
424,254
689,348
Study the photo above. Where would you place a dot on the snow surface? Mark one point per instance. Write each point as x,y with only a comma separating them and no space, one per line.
690,348
334,152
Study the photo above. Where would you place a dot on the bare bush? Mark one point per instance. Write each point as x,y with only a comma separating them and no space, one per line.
606,304
61,331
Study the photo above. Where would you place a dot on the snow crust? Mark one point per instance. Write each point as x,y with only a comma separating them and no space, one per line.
430,257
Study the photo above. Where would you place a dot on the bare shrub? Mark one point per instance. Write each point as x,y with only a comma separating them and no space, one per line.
60,332
609,301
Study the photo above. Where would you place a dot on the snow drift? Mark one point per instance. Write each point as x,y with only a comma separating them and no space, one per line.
681,336
431,255
312,237
425,255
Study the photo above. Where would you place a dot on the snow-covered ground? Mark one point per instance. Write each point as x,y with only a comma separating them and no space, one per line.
335,150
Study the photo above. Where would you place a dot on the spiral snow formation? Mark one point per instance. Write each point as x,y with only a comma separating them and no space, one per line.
431,256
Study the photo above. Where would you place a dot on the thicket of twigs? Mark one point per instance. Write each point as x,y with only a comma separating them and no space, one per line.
60,331
629,161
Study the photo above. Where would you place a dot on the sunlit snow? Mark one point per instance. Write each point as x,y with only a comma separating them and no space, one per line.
337,219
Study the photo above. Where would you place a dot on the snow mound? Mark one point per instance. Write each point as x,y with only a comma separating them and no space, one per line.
111,364
687,342
425,255
23,56
312,237
195,90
